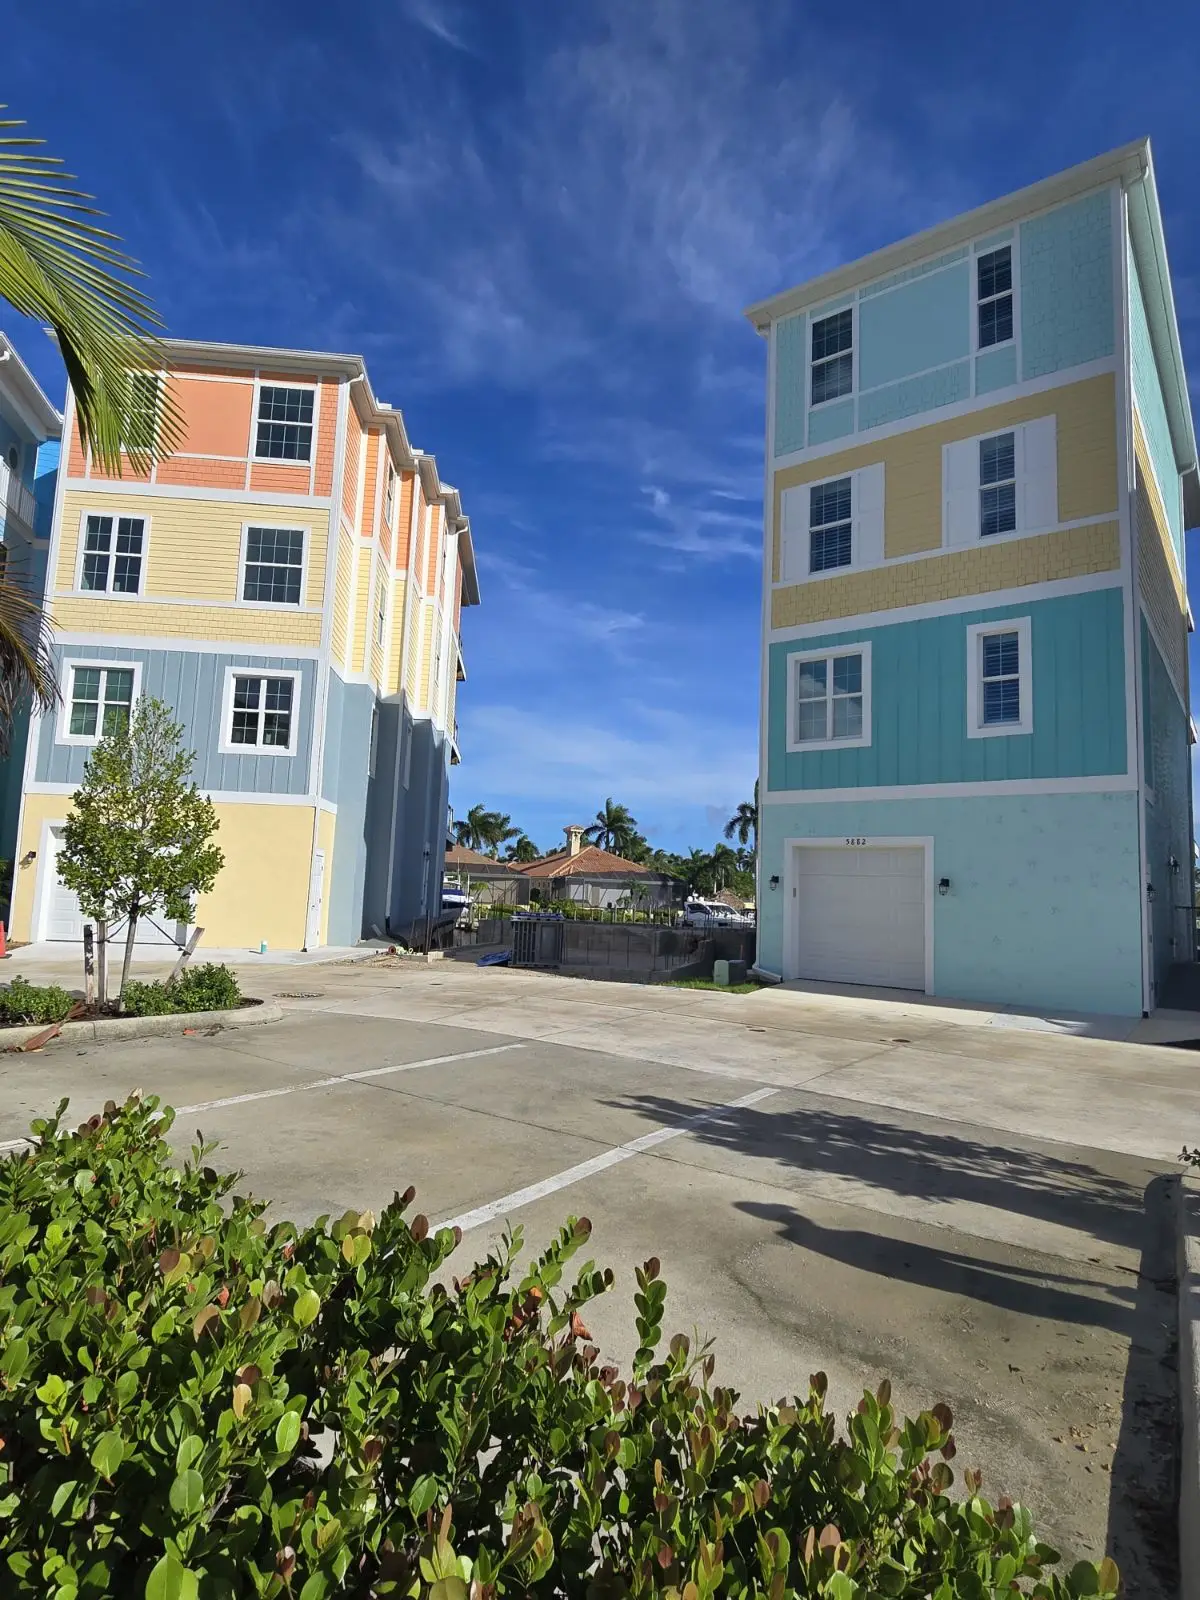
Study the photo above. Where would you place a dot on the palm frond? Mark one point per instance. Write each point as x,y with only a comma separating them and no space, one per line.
59,267
27,667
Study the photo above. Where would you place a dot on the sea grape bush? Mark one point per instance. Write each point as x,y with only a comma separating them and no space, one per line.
196,1404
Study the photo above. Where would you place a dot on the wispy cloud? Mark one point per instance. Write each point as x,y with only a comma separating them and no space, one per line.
704,531
440,20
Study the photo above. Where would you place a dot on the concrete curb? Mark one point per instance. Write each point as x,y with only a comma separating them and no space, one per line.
1189,1388
114,1029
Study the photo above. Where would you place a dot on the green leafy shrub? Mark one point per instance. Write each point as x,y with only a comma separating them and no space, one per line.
34,1002
206,988
194,1404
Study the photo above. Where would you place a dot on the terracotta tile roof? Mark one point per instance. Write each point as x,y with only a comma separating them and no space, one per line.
462,858
591,862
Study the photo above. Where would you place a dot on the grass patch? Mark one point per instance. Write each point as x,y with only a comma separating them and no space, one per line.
721,988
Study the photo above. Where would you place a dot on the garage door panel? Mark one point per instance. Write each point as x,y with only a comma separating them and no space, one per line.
63,918
860,915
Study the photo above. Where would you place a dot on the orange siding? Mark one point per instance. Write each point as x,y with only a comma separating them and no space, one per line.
435,531
404,518
273,478
76,458
202,474
354,432
327,401
369,496
385,532
290,378
216,417
128,474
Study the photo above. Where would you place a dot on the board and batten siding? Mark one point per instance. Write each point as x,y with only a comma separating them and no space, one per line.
192,683
919,702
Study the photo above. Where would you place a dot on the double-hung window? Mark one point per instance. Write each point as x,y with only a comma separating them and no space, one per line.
143,410
994,280
997,485
380,610
999,680
832,356
389,495
114,551
830,528
260,712
285,423
829,698
98,703
273,566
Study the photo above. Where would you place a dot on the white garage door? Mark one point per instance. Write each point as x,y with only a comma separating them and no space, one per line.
861,916
62,918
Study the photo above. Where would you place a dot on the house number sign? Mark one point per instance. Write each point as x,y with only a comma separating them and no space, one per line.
856,841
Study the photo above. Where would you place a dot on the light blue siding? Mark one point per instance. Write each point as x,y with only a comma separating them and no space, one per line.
996,369
346,782
993,241
791,387
1044,906
909,273
1066,287
1148,392
833,420
919,702
192,683
1168,815
926,323
945,387
45,479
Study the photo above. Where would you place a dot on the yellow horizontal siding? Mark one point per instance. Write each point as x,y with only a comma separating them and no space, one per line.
1162,593
341,595
1087,463
425,667
362,611
194,546
1044,558
164,620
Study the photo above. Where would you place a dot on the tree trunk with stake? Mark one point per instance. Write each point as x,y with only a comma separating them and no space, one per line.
130,936
101,961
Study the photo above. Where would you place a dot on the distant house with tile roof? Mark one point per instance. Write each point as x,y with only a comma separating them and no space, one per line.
585,873
485,879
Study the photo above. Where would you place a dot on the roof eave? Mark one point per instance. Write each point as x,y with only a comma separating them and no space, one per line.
204,352
1125,164
27,393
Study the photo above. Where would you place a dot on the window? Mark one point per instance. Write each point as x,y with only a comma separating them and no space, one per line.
260,712
994,276
389,495
832,356
380,610
999,695
143,410
14,458
285,424
99,703
373,747
829,698
997,485
273,566
113,551
829,526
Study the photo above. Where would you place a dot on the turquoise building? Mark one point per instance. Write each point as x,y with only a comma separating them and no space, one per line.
975,779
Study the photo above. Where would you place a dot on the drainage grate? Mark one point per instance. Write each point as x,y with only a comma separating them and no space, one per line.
299,994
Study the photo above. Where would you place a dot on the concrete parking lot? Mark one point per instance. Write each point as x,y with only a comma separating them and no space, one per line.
978,1213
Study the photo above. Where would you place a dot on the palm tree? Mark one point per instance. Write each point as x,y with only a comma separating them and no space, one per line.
522,850
695,870
614,828
475,828
722,864
743,824
63,270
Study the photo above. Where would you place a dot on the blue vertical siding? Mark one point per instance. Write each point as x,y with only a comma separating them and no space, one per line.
1066,287
925,323
1148,392
919,702
1044,906
192,683
347,782
1168,815
791,387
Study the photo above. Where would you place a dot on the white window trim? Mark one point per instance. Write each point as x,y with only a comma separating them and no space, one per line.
274,605
1014,343
820,315
225,744
976,633
159,374
794,662
1023,529
110,593
284,461
852,564
62,732
1013,432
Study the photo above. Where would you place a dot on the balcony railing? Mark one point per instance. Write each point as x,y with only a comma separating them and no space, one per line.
16,501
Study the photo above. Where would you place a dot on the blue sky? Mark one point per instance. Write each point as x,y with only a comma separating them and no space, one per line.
539,223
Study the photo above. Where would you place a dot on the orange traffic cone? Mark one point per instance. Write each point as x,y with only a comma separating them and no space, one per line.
3,943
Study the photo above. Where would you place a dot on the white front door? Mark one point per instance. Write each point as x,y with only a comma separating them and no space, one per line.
62,918
859,915
316,894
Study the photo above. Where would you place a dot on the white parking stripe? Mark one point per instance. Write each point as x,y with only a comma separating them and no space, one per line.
610,1158
319,1083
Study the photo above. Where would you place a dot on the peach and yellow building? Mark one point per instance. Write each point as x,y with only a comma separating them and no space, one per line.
290,579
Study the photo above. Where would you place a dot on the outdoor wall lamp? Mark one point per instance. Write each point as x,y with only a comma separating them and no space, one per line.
30,855
943,885
774,880
1149,891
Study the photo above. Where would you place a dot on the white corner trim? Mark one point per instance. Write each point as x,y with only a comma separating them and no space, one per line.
224,741
797,660
977,632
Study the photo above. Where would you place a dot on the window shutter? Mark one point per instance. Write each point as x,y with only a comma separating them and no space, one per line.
960,493
1037,475
793,535
867,492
